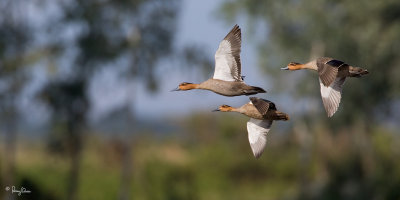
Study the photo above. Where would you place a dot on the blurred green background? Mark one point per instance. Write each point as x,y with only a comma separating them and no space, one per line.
86,112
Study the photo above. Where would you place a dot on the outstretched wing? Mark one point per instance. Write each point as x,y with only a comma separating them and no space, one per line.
227,57
328,69
331,95
262,105
257,130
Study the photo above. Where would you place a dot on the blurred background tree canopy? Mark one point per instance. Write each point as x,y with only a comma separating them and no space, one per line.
127,34
57,59
132,35
361,33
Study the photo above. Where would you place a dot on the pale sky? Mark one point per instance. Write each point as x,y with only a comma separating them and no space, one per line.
199,25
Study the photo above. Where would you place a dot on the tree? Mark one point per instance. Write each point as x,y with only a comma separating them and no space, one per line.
361,33
129,35
14,56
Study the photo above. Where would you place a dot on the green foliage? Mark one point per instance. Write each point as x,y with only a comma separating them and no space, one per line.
362,33
215,162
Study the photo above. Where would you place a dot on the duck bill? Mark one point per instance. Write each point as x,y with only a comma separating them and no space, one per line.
285,68
216,110
175,89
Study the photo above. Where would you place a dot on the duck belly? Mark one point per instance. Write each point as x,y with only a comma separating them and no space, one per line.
225,88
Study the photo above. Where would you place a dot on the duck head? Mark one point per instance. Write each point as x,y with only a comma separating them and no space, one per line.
224,108
185,86
293,66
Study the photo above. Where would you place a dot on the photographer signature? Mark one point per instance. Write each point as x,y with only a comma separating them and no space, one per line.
19,192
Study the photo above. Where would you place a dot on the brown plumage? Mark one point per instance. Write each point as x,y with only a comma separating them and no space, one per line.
235,39
328,69
262,105
262,113
227,79
332,75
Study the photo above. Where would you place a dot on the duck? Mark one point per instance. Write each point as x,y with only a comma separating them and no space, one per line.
262,113
332,75
227,79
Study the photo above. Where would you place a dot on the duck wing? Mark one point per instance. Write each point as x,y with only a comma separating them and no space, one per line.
331,95
328,69
257,130
227,57
262,105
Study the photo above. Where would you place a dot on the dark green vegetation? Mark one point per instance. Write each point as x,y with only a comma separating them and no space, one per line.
353,155
211,159
362,33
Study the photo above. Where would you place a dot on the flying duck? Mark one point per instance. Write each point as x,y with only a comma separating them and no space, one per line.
262,113
332,74
227,79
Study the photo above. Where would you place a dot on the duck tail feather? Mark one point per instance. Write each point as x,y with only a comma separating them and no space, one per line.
281,116
357,71
258,89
